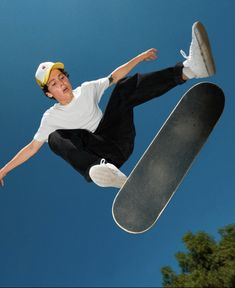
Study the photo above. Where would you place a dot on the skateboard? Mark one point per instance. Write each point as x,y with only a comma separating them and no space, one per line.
155,178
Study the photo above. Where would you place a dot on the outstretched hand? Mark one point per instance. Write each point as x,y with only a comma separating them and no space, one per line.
2,175
148,55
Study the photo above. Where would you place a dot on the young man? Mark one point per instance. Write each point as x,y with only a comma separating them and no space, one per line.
97,145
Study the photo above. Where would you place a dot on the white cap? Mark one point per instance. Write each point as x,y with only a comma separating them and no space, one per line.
43,72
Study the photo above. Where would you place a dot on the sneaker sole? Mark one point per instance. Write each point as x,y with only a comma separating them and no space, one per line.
205,48
104,177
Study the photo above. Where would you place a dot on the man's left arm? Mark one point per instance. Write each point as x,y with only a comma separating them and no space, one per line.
124,69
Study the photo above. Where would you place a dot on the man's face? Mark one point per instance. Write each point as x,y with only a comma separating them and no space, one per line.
59,87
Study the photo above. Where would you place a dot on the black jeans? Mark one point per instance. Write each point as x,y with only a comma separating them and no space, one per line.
114,138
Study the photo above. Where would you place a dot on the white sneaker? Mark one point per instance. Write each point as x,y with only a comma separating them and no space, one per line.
200,61
107,175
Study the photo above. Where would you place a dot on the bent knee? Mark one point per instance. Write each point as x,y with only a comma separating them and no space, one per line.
54,139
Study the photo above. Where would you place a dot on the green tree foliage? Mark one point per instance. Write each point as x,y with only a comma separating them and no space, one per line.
206,263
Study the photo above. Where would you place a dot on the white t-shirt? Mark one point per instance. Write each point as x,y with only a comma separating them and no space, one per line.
82,112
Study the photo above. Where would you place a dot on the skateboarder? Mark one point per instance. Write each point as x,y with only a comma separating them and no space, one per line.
97,145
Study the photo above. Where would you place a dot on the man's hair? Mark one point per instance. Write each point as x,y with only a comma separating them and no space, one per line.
45,87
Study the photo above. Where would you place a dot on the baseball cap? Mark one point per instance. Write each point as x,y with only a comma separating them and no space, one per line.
43,72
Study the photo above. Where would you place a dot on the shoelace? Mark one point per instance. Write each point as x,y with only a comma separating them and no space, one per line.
190,52
184,54
103,161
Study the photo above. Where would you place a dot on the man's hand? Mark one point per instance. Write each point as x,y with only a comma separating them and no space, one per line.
23,155
148,55
2,175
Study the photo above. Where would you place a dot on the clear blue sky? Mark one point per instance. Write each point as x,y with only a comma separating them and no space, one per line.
57,230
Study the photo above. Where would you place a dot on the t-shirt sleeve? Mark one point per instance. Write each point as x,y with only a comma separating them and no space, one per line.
96,87
43,132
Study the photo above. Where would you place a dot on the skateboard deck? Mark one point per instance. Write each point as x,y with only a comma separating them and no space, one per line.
159,172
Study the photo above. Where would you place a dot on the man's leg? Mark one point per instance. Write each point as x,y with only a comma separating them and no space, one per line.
151,85
69,145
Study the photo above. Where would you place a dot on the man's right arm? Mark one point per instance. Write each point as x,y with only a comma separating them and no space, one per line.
124,69
23,155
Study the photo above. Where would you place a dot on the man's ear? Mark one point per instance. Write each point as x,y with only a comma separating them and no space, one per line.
49,95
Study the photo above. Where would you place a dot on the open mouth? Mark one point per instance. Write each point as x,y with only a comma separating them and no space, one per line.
65,90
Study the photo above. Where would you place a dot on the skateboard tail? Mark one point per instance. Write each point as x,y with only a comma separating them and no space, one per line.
147,228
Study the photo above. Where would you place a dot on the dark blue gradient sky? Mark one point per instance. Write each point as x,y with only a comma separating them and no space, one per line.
57,230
